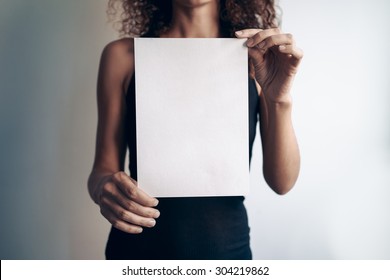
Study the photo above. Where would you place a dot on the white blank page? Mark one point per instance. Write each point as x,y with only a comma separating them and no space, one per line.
192,116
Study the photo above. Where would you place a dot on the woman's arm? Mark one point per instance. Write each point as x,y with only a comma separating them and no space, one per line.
276,59
281,157
121,202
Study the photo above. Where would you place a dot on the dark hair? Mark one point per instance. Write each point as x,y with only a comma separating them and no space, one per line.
152,17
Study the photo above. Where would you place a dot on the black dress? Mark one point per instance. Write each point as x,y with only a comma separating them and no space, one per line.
191,227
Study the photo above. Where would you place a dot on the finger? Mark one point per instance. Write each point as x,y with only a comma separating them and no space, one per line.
121,225
131,190
247,33
111,191
262,35
291,50
274,40
256,57
127,216
136,208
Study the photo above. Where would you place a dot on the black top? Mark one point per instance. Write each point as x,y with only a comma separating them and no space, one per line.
190,227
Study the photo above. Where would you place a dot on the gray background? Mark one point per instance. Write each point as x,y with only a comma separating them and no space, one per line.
339,208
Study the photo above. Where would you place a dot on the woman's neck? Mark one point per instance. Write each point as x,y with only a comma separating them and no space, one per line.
200,21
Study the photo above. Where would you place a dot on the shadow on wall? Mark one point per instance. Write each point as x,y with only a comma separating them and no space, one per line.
48,120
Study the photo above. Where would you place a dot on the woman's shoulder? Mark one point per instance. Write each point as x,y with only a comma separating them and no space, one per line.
121,50
117,60
122,47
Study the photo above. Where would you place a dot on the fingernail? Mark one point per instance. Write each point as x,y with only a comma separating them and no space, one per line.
262,45
282,47
238,32
156,214
156,202
249,42
139,230
152,223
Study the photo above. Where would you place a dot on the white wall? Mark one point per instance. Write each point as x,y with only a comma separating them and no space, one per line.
49,52
340,206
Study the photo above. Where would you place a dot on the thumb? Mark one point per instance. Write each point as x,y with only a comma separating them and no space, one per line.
256,56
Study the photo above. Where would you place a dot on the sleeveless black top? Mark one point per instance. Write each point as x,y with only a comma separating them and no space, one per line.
190,227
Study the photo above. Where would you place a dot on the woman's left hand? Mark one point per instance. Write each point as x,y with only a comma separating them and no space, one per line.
275,59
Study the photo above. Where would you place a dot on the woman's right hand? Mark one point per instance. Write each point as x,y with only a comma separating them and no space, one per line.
125,206
121,202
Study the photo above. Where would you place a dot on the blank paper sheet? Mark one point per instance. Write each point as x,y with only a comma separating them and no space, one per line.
192,116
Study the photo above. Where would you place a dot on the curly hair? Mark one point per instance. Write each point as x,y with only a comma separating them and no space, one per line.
150,18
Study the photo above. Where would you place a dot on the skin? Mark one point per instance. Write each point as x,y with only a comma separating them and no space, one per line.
275,59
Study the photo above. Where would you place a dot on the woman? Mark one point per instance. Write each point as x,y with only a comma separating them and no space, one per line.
190,228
